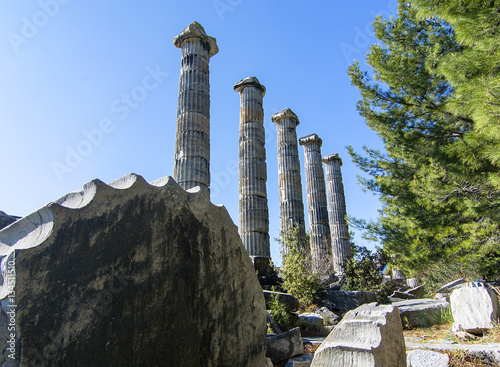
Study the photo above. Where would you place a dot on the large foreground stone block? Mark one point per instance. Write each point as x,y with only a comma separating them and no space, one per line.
371,335
475,308
133,274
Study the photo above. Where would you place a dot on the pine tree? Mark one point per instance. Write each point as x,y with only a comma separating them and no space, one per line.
434,181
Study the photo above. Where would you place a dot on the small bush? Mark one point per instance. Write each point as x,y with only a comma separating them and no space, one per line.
364,273
283,318
298,278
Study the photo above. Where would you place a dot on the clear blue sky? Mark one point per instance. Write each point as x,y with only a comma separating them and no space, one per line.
66,67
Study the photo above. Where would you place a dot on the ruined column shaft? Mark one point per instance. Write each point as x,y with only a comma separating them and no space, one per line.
317,207
341,247
253,207
290,185
192,145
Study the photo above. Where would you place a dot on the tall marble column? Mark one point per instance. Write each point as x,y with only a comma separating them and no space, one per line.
192,142
290,185
317,207
254,212
341,246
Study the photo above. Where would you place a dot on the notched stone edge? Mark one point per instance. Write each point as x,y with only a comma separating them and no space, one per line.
34,229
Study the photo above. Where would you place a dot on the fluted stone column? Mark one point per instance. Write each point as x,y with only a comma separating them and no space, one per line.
192,143
317,207
254,212
290,185
341,247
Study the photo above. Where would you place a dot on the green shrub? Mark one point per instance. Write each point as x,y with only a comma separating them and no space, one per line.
363,272
298,278
278,311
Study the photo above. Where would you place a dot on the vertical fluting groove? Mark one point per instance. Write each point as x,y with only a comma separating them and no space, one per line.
317,207
290,185
253,206
192,146
341,247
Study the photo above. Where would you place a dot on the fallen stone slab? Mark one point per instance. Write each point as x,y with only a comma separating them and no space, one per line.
329,317
421,312
447,288
343,301
132,274
283,346
371,335
445,296
475,308
301,361
311,323
488,353
412,282
417,291
291,303
426,358
403,295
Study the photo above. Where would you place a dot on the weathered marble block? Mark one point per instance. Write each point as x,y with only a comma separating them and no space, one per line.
131,274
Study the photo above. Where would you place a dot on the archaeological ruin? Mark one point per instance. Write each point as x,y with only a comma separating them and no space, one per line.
317,208
290,182
253,207
192,143
337,214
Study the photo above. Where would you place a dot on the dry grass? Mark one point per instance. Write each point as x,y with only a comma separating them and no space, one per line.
492,336
435,332
464,359
310,348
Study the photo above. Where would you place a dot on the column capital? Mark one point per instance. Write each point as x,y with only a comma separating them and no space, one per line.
283,114
332,157
195,30
311,138
250,81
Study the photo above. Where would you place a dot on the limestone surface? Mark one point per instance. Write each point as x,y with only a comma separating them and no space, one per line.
421,312
371,335
192,142
133,274
317,207
253,207
475,308
341,247
290,184
285,345
426,358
